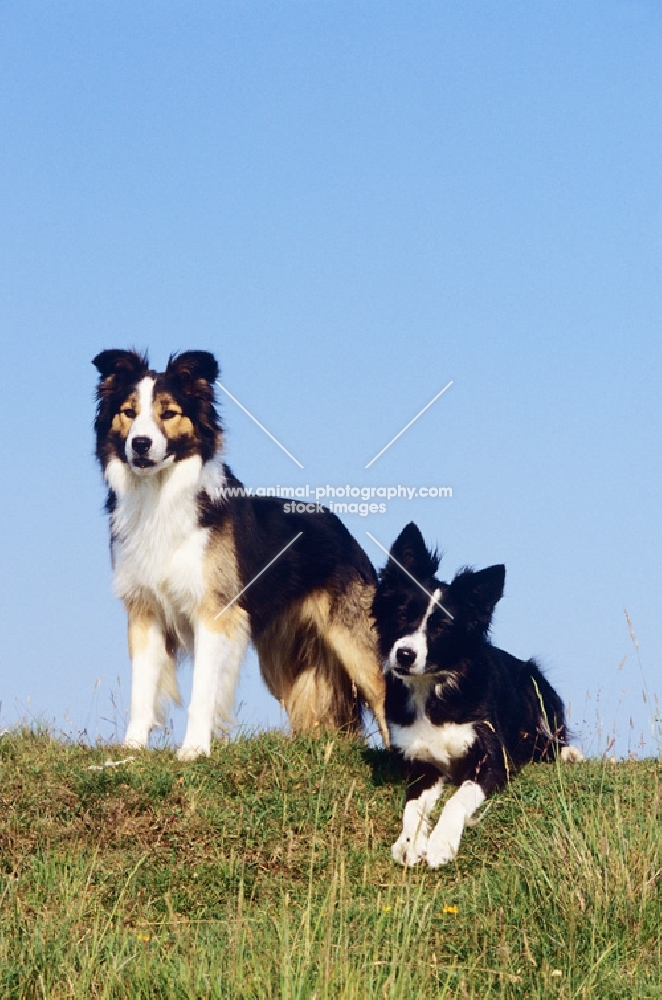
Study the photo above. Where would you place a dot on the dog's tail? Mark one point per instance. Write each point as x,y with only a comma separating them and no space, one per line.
552,738
321,662
306,675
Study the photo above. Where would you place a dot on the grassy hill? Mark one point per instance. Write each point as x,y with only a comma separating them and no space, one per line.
265,871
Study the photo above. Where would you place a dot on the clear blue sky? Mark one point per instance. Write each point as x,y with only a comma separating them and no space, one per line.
351,204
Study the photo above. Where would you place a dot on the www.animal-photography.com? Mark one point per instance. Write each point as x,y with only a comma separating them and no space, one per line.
332,558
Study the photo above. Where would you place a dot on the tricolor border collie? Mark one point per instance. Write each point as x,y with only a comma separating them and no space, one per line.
457,708
183,554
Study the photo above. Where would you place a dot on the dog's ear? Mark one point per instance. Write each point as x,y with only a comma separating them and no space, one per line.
409,550
124,366
194,374
191,366
475,595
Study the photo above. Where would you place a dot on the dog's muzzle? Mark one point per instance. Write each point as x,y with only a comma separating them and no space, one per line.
140,447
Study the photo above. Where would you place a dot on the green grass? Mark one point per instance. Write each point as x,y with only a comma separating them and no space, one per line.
265,871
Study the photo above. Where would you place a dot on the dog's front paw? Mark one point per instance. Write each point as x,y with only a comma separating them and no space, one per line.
408,851
191,752
440,851
137,735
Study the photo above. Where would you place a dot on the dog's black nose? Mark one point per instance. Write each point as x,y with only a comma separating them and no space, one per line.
405,656
141,445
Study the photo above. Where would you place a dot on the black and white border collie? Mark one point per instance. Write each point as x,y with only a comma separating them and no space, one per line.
457,708
182,552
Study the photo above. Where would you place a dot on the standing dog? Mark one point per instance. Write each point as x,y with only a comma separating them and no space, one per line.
187,560
457,708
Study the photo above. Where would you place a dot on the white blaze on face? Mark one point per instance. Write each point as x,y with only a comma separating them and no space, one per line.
145,441
416,642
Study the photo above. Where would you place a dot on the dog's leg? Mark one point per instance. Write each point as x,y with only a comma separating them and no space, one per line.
445,838
423,790
152,674
309,702
219,647
358,654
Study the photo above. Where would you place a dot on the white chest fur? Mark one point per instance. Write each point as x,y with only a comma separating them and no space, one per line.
424,741
435,744
158,547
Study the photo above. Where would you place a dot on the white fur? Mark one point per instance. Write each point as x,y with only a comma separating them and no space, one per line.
152,675
445,839
411,845
212,696
417,641
158,548
439,745
145,426
158,557
571,755
436,744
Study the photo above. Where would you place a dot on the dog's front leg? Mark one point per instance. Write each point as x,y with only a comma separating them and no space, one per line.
424,787
219,647
151,664
445,838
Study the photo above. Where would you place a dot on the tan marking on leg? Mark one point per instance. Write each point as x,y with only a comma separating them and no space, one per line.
222,581
142,618
230,623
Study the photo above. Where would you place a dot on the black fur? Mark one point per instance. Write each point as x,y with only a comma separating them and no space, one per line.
188,376
516,714
326,556
309,612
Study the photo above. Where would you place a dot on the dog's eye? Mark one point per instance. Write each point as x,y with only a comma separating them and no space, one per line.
169,414
129,412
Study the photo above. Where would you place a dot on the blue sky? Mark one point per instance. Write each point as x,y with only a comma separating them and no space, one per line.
351,204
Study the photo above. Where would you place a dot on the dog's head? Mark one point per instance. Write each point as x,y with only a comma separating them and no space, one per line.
426,626
150,420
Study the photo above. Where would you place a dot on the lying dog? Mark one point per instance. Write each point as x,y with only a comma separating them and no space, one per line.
202,569
457,708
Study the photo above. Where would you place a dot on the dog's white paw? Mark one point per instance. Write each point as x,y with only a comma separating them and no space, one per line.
186,753
136,736
572,755
408,851
440,851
